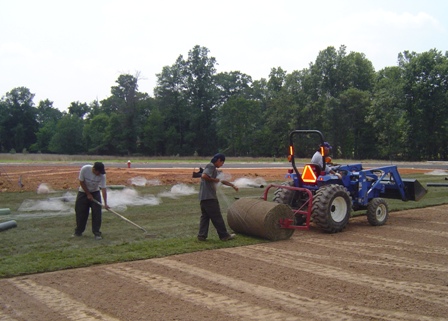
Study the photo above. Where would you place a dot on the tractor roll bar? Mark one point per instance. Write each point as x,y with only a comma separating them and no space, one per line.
291,146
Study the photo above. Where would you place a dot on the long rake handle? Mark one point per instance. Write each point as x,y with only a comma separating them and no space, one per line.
122,217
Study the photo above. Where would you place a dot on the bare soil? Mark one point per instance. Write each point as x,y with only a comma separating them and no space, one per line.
394,272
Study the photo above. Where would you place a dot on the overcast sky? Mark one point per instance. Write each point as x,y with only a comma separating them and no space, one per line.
69,51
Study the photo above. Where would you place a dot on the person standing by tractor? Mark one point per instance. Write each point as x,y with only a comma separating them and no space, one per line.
92,179
210,210
318,159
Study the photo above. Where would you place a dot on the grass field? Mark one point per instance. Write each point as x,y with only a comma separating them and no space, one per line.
42,243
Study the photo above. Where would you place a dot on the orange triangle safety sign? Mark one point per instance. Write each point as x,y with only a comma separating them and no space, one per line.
308,175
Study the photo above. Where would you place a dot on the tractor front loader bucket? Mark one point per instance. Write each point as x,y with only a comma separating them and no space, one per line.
413,189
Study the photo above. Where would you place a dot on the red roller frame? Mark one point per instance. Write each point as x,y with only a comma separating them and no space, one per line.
305,209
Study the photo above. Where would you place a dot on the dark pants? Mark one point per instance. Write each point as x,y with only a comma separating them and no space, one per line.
82,209
211,212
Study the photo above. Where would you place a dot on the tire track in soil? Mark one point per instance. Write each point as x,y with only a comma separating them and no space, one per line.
307,306
417,230
60,302
388,260
292,259
327,310
424,248
204,298
4,317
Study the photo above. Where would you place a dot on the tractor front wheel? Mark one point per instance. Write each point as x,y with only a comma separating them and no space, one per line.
331,208
377,212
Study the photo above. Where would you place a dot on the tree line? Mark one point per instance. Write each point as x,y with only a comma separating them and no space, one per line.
399,112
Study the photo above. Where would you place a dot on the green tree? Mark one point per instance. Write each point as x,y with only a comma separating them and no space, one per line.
356,140
238,128
46,112
187,95
44,137
231,84
153,136
425,87
333,74
123,105
95,136
79,109
387,114
18,122
68,137
47,118
202,101
171,97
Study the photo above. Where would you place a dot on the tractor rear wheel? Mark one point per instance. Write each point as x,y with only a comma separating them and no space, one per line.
331,208
292,198
377,212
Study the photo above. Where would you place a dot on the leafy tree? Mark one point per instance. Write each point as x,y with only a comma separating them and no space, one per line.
123,104
387,114
231,84
238,128
153,136
356,140
425,89
44,136
187,95
333,74
79,109
171,97
47,117
18,123
68,137
46,112
202,101
95,136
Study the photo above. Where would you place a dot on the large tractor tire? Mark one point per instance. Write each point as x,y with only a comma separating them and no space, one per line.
331,208
292,198
285,196
377,212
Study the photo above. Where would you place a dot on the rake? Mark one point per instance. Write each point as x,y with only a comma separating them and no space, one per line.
147,234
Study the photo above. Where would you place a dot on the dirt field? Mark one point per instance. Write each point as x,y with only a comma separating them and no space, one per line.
395,272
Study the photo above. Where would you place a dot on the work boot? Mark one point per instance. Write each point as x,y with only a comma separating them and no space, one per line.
229,237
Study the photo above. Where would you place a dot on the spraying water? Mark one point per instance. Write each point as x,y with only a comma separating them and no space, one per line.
141,181
44,189
117,199
245,182
178,190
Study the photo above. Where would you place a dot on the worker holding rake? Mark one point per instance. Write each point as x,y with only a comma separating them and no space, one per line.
92,179
210,208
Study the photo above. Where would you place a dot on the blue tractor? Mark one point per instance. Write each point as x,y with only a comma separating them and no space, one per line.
327,199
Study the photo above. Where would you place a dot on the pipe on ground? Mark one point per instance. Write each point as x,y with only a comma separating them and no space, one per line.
5,211
257,217
7,225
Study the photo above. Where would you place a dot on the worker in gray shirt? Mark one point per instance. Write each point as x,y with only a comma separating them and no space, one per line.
210,209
